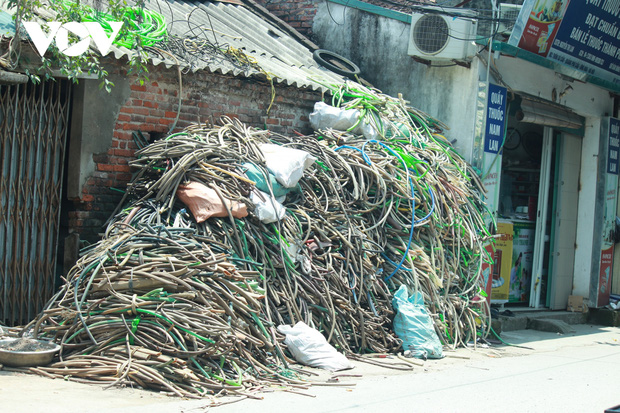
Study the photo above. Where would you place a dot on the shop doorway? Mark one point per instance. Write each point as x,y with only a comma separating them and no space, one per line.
538,204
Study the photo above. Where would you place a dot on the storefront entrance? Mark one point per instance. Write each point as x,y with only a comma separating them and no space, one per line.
537,211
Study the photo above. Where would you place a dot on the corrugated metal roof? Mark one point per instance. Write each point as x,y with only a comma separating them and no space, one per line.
213,27
7,27
217,25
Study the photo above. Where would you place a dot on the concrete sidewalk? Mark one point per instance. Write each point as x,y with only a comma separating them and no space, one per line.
576,372
544,320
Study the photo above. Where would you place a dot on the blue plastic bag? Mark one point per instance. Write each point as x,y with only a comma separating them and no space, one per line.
414,325
255,174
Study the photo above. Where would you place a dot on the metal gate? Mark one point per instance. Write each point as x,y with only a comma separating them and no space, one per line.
34,121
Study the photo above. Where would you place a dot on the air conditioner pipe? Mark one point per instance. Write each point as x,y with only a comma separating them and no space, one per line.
543,114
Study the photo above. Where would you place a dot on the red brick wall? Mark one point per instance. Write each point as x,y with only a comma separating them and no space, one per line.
300,13
151,109
297,13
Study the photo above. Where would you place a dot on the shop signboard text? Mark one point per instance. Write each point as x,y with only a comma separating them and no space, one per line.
496,118
583,35
614,146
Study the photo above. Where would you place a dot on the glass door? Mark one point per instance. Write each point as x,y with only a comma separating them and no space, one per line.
541,237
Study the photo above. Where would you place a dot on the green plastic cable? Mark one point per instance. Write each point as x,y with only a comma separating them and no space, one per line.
142,27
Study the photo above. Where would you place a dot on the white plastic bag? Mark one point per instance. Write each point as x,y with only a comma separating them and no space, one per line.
329,117
268,209
326,116
286,164
309,347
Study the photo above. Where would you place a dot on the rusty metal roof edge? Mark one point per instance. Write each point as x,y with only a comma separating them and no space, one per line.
119,53
299,78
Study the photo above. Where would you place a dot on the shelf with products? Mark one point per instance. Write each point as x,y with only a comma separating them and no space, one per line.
519,191
520,169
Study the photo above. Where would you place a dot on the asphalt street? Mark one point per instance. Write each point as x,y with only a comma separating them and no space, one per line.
576,372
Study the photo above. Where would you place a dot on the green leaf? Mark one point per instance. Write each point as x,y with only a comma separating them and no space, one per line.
75,67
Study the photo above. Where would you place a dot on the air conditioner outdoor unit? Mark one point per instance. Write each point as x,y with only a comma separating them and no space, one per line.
436,35
508,14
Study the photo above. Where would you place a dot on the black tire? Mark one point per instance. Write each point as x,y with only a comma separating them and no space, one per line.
351,70
513,139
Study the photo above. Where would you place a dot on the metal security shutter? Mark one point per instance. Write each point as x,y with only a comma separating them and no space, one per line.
34,121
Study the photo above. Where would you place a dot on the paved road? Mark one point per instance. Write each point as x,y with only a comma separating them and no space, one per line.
577,372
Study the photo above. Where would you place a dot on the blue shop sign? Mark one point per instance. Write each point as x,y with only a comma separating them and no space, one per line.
496,118
581,34
614,146
587,39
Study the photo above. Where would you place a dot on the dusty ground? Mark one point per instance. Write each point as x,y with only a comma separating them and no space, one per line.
571,373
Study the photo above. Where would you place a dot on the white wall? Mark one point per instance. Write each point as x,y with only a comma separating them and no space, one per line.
585,216
585,99
92,128
379,46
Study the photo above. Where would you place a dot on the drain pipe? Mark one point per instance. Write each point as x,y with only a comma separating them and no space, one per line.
494,25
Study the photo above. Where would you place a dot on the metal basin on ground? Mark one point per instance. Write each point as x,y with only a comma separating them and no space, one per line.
26,352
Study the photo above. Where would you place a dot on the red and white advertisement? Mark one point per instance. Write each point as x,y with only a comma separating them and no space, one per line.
542,25
604,276
611,196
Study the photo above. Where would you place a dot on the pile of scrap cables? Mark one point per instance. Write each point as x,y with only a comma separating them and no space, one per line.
210,251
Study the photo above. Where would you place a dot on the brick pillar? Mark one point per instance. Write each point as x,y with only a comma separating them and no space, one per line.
297,13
